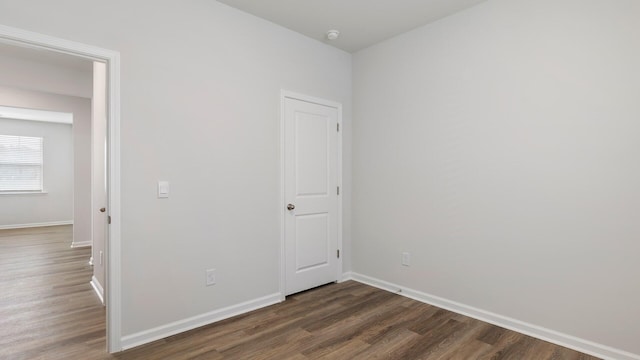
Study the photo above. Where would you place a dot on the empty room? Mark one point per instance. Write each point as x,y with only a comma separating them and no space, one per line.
400,179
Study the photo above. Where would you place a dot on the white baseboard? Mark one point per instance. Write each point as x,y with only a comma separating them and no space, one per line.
95,284
79,244
572,342
346,276
32,225
163,331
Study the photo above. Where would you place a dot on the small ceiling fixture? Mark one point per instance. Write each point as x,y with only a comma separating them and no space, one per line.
333,34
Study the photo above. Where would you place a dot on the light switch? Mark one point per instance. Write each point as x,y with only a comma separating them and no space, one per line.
163,189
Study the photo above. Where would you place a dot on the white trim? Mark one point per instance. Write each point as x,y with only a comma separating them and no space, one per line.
285,94
341,193
32,225
310,99
281,205
24,38
552,336
20,193
95,284
79,244
346,276
176,327
113,240
9,112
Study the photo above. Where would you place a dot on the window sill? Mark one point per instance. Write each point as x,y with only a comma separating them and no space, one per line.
23,193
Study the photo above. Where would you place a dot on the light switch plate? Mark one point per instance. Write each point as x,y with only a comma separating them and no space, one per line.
163,189
211,277
406,259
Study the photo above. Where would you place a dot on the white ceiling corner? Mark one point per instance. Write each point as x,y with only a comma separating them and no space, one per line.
361,23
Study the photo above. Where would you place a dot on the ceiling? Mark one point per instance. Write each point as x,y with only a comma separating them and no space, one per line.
361,23
46,57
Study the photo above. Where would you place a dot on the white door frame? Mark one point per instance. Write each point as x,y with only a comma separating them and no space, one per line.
284,94
14,36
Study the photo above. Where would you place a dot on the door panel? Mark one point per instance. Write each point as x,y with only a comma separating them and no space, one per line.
312,172
312,241
99,175
311,179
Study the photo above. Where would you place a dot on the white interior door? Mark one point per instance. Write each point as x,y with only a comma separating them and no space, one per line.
99,178
311,195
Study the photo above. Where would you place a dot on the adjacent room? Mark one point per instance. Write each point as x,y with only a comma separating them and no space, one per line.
51,250
406,179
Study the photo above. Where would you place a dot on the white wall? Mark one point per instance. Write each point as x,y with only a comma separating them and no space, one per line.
56,205
200,108
80,202
499,147
32,75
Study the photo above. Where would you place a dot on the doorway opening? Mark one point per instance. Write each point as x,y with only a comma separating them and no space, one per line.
311,201
112,253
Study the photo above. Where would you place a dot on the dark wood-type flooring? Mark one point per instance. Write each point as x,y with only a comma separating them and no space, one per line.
49,311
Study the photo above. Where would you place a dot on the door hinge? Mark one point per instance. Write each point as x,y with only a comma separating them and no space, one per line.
337,126
109,219
338,253
338,190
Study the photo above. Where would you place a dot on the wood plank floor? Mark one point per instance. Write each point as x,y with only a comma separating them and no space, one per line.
49,311
46,303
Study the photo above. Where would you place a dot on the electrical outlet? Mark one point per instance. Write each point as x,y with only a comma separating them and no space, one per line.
406,259
211,277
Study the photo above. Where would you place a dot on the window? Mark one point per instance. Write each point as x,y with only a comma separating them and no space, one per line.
20,163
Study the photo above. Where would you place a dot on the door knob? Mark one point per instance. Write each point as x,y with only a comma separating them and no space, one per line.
103,209
291,207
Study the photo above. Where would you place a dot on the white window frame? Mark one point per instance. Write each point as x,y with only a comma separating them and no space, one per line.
16,113
40,162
